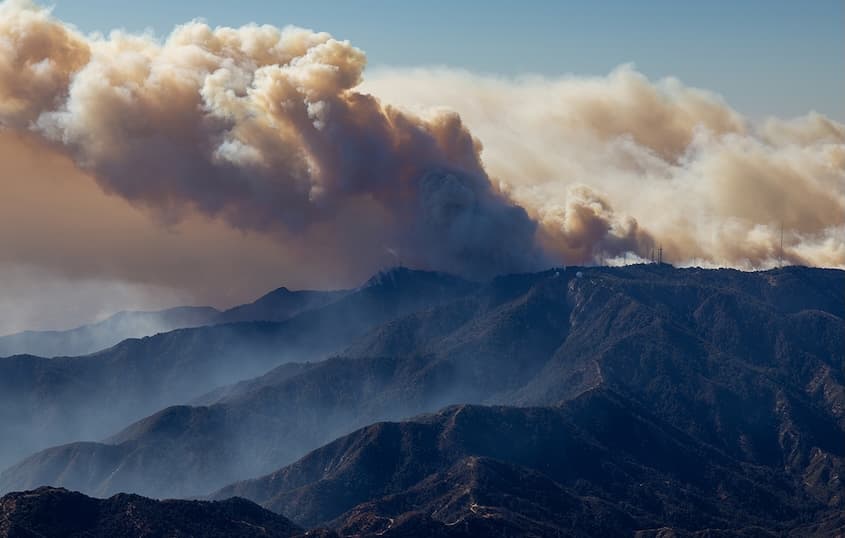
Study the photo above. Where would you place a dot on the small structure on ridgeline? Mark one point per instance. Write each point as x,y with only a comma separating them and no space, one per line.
657,255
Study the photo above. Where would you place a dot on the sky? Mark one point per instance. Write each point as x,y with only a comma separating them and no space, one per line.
733,48
189,158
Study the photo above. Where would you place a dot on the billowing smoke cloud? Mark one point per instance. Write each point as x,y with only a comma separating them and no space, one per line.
276,132
260,127
619,163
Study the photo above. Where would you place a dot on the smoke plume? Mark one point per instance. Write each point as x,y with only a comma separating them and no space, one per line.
619,163
262,128
274,132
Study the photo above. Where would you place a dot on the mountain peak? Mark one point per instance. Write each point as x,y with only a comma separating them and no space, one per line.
400,276
391,275
283,290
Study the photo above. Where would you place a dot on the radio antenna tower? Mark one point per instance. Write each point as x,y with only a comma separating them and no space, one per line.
660,255
780,255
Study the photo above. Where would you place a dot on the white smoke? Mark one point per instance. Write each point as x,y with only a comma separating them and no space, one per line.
598,161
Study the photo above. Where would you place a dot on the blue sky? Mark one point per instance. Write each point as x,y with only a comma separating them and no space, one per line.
766,57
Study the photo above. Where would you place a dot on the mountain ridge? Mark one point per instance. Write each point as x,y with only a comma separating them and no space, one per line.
543,439
49,401
277,305
661,338
96,336
54,512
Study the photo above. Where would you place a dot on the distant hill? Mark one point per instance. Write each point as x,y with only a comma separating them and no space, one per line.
744,370
58,513
278,305
96,336
44,402
276,418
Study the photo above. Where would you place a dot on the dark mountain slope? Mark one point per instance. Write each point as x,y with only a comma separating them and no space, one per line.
58,513
96,336
49,401
663,339
259,425
483,497
480,496
762,381
772,402
596,466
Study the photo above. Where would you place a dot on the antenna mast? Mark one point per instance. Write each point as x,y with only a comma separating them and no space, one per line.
780,256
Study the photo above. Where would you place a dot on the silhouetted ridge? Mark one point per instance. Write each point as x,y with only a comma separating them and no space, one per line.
59,513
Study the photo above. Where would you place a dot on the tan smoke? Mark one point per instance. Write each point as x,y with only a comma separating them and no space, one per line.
71,253
617,163
262,128
37,60
276,132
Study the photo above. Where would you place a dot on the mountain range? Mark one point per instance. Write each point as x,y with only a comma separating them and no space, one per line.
642,400
278,305
49,401
106,333
598,465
